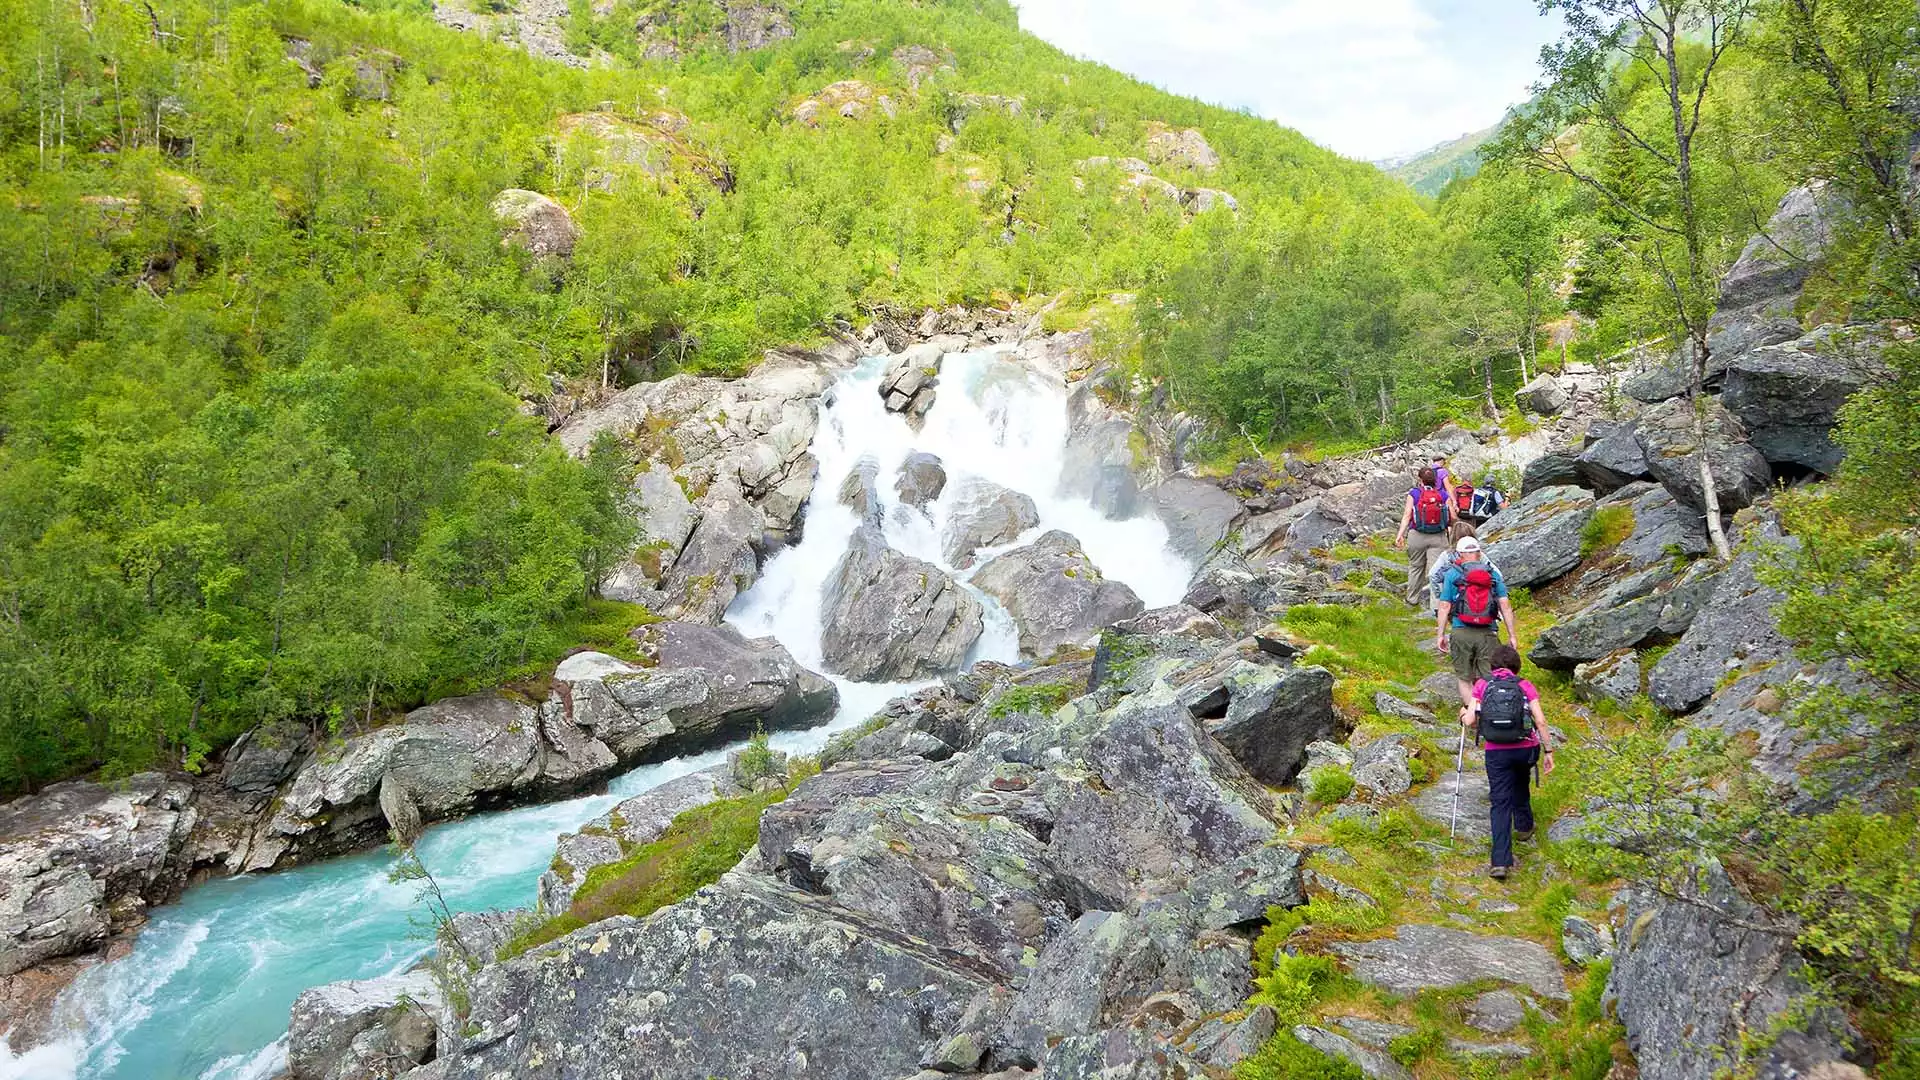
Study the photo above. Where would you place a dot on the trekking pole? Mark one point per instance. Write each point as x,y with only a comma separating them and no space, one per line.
1459,773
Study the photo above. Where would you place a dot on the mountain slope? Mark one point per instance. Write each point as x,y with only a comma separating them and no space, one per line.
1432,169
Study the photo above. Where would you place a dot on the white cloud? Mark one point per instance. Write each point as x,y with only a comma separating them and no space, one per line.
1369,78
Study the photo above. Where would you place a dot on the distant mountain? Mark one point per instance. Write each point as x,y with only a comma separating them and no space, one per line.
1428,171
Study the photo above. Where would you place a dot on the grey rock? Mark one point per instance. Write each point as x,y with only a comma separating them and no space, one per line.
1382,766
1537,538
666,518
1197,514
1082,981
327,1021
480,935
1317,528
1420,957
1543,396
1615,677
1055,594
921,479
740,684
611,836
1272,714
1326,755
891,616
1734,628
1512,1051
1788,396
907,384
263,758
1554,469
76,857
1585,942
1097,463
1666,435
1662,528
1225,1045
1688,980
1376,1064
535,223
1612,458
1777,263
1390,706
1375,1033
1239,893
788,829
860,491
1495,1012
985,515
1182,620
721,557
1186,148
1225,587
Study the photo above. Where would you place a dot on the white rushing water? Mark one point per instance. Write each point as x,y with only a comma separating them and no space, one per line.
205,991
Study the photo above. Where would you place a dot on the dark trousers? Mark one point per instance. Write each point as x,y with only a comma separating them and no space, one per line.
1508,772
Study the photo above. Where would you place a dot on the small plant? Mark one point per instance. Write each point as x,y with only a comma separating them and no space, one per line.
1329,785
1040,698
1605,530
759,761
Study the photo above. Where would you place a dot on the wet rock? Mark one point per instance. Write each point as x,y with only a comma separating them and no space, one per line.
1666,435
1537,539
921,480
78,858
985,515
1612,457
1055,594
1615,677
891,616
1543,396
1420,957
1495,1012
907,385
1788,396
329,1026
1097,463
633,823
1550,470
1377,1064
1685,1007
860,491
1272,714
1585,942
1197,514
535,223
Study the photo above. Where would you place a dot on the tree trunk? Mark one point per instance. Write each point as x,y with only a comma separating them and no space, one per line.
1696,397
1486,379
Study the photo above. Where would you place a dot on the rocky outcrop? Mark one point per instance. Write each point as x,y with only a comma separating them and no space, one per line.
1611,457
889,616
921,479
1543,396
739,685
1055,594
1735,629
1098,462
365,1030
985,515
907,386
80,860
1666,435
719,561
1537,538
666,519
1184,148
1197,514
1553,469
633,823
535,223
1271,714
1687,1008
849,99
1788,396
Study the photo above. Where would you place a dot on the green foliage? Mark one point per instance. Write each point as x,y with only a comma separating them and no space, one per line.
1292,984
1030,698
1287,1058
1605,530
700,845
758,761
1329,785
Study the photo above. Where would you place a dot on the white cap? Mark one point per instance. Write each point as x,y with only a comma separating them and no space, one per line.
1467,545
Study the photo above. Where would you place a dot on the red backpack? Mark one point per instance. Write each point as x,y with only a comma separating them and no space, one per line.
1476,606
1463,498
1432,511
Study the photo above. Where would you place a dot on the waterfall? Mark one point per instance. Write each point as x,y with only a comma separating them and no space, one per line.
206,989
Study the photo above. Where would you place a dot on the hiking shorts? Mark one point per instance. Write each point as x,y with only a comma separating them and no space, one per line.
1472,650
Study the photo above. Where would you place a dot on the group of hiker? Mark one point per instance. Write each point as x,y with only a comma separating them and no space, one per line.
1448,569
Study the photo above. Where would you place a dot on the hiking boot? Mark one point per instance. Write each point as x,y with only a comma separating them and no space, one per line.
1523,834
1499,873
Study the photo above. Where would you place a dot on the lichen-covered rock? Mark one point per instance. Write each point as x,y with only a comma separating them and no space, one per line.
1615,677
1788,396
891,616
985,515
1685,1008
1419,957
1495,1012
259,761
1543,396
1272,714
1376,1064
720,559
1198,514
1585,942
1666,435
1055,594
1382,766
1734,629
1537,538
1655,604
743,684
666,519
327,1035
633,823
535,223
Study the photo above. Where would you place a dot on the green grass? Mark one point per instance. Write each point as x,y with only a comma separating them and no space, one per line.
599,625
1605,530
1038,698
1287,1058
700,846
1330,785
1367,647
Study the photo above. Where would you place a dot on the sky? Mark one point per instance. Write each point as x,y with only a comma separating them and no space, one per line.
1368,78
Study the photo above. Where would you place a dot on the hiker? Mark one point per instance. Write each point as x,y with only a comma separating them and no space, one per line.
1463,499
1473,602
1451,558
1506,718
1486,501
1423,531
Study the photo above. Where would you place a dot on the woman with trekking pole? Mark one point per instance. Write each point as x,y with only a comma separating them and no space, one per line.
1506,717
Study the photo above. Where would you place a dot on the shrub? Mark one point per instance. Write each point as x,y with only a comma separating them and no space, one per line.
1329,785
1040,698
1605,530
1287,1058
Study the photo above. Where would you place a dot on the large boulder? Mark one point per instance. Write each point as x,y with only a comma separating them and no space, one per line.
1777,263
907,385
1666,435
889,616
261,760
1198,514
666,518
1097,463
81,860
1272,714
535,223
1555,469
1788,396
1693,976
1663,530
985,515
1611,458
363,1030
633,823
921,479
721,558
741,685
1055,594
1537,538
1544,395
1734,629
1182,147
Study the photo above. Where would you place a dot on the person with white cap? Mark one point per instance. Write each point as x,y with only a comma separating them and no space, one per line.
1461,530
1473,603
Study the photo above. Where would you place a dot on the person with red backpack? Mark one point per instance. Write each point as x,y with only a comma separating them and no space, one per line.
1423,532
1505,717
1473,605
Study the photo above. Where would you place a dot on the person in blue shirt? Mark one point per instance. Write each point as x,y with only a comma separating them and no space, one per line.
1467,624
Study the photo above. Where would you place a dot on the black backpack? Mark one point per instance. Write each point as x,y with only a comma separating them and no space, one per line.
1503,710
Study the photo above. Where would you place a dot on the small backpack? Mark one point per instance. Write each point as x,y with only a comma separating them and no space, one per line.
1477,605
1432,512
1503,709
1463,499
1487,501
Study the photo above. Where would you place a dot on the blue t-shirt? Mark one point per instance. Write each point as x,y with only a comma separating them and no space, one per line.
1450,591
